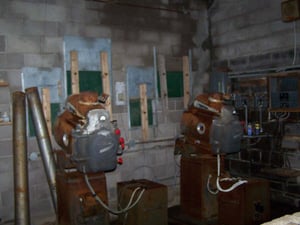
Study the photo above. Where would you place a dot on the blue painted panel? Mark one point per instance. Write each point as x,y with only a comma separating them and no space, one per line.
88,52
137,76
51,78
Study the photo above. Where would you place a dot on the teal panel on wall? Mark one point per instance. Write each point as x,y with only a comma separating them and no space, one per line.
88,81
175,84
135,112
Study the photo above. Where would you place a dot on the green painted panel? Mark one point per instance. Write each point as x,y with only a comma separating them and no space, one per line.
88,81
135,112
174,84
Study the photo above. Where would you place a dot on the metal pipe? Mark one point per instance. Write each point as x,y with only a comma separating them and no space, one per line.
43,139
262,72
129,4
22,214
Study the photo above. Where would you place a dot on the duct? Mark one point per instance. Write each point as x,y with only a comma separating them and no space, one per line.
43,139
22,214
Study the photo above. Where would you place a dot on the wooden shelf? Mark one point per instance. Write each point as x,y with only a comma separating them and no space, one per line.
3,84
5,123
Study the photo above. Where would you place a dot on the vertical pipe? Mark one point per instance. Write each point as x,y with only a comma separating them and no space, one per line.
43,139
22,214
154,113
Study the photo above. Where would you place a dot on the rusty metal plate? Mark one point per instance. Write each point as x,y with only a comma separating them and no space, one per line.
151,209
249,204
195,199
76,205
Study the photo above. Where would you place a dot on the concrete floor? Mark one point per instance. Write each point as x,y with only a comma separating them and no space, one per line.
176,218
277,210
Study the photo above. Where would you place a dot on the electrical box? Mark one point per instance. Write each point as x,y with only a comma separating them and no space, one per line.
151,209
284,92
290,10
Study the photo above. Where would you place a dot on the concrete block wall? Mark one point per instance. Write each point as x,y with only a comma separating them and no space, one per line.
249,35
32,34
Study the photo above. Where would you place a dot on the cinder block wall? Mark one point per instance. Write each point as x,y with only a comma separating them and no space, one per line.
249,35
31,35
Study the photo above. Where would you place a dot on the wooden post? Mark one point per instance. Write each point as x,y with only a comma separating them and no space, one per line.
47,108
186,81
74,72
163,80
144,111
106,81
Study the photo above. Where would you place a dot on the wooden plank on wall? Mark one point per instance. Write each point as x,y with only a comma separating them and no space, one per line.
106,81
74,72
186,81
144,111
163,80
47,108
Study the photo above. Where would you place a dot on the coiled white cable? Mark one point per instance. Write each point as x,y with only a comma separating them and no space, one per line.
116,212
219,188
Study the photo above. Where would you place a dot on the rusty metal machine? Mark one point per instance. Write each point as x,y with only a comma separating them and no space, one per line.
211,130
90,145
86,134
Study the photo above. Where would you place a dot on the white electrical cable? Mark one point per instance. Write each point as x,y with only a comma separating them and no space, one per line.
116,212
219,188
208,187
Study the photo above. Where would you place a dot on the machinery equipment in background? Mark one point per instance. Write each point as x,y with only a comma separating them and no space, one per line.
210,111
211,130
